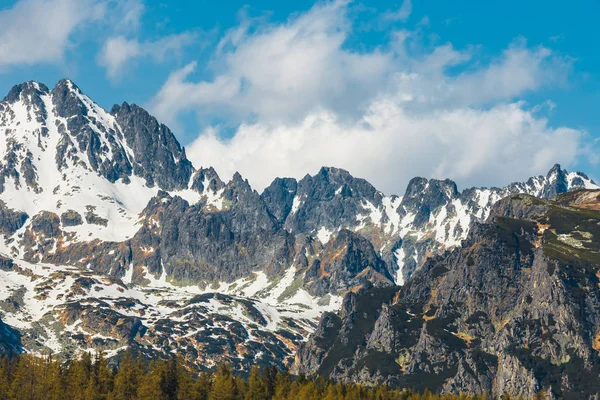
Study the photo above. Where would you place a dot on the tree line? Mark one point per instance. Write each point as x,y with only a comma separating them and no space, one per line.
28,377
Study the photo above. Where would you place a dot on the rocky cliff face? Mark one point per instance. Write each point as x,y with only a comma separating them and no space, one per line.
104,221
159,158
513,310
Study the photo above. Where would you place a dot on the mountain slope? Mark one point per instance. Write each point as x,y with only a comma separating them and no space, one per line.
514,310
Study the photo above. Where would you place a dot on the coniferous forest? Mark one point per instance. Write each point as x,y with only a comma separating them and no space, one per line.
27,377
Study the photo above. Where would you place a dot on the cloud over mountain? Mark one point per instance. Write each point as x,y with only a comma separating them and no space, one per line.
297,98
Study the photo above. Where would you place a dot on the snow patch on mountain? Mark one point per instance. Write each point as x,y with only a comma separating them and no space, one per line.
324,234
399,255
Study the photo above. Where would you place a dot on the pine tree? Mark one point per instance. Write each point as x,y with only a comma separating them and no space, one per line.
24,382
308,390
28,377
269,378
332,392
170,383
92,390
127,379
224,386
104,375
53,386
188,389
203,386
257,389
150,386
78,375
5,377
283,383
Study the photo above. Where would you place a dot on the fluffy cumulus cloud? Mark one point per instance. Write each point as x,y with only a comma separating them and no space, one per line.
280,72
390,145
298,98
39,31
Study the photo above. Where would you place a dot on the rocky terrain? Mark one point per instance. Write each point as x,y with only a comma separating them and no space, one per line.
515,309
111,238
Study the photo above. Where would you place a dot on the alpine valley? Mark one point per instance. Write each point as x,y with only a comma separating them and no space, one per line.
112,240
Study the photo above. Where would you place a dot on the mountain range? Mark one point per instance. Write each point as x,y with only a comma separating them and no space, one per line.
113,240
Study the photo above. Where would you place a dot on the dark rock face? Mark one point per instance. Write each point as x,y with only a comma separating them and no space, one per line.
224,344
6,264
424,196
71,218
438,215
348,261
202,337
206,179
197,244
427,200
129,141
11,220
314,353
519,207
514,310
159,158
558,182
330,199
89,138
27,90
102,320
84,134
10,340
14,165
279,197
46,224
40,236
201,243
92,218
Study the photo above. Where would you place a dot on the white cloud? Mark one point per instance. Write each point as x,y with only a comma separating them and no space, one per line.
401,14
389,145
127,15
280,72
304,100
42,31
118,51
39,31
125,48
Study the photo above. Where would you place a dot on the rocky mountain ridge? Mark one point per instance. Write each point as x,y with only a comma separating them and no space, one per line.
514,310
124,243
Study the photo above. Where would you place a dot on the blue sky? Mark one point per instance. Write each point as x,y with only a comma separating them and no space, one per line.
481,92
